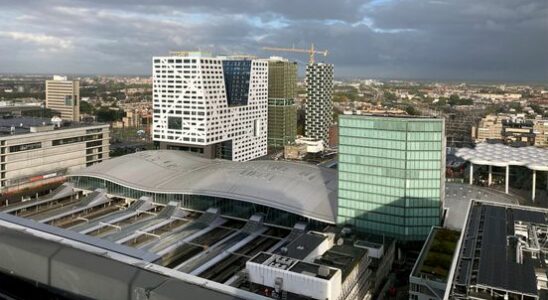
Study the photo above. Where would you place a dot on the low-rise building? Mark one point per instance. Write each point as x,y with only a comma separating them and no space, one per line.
518,131
489,128
428,279
501,254
541,133
36,151
312,145
297,151
513,129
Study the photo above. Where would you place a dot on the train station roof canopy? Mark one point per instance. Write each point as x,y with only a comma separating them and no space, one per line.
298,188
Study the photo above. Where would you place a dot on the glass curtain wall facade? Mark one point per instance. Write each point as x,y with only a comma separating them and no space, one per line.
391,175
237,74
282,122
228,207
282,112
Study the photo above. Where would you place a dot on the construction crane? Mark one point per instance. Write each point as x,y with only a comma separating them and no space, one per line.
311,52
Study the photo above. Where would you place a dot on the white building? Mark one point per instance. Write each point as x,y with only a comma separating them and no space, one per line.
214,106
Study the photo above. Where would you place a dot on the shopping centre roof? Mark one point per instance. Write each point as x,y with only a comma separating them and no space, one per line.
302,189
501,155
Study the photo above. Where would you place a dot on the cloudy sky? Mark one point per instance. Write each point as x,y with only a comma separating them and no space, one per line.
410,39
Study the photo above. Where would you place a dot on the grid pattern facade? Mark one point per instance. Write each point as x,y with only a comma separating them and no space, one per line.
282,112
63,96
191,104
391,175
319,101
282,122
282,79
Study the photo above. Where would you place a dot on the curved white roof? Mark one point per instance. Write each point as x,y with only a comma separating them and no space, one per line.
502,155
302,189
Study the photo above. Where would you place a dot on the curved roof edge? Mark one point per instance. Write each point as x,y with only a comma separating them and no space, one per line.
301,189
500,155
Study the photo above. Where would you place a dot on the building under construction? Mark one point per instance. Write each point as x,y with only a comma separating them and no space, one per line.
319,94
459,125
282,112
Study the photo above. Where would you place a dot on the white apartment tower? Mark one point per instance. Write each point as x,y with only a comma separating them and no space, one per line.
319,101
214,106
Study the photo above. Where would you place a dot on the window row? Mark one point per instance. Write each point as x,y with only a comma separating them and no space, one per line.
389,172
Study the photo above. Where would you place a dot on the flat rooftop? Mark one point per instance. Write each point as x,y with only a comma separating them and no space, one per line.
22,125
344,257
391,116
302,246
458,197
490,254
434,262
291,264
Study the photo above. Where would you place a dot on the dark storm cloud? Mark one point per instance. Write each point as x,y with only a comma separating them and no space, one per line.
459,39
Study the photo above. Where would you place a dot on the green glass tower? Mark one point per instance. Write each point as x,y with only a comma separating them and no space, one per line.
282,112
391,174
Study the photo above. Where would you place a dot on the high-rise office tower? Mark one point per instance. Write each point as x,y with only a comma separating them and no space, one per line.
391,174
63,97
213,106
282,112
319,101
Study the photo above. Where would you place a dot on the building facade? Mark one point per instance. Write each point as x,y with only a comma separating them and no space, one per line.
511,130
391,174
319,101
489,128
36,153
213,106
518,132
282,111
63,96
541,133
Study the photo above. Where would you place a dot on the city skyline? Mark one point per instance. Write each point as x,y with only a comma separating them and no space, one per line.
444,40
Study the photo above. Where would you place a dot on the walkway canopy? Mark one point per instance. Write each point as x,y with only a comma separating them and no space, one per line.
500,155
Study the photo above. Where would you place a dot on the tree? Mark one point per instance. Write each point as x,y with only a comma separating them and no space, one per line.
108,115
412,111
537,108
389,96
456,100
86,108
516,106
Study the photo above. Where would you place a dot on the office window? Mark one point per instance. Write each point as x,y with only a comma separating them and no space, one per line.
25,147
68,100
174,123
